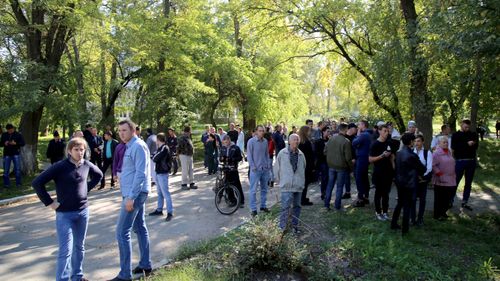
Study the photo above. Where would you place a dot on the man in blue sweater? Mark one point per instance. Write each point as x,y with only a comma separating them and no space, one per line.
362,145
260,168
135,184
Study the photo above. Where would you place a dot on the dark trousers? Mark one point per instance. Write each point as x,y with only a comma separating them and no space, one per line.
175,164
382,190
420,193
323,169
467,168
405,199
212,164
233,177
361,174
442,198
107,163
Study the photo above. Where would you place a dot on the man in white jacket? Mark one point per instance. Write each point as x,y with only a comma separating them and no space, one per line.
289,172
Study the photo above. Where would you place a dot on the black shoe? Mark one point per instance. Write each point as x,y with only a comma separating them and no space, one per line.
359,203
184,187
254,213
174,173
193,186
307,203
156,213
395,226
322,197
101,187
466,206
119,279
145,271
346,196
265,210
169,217
366,201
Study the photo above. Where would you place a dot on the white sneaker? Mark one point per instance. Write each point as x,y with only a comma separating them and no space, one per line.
385,216
380,217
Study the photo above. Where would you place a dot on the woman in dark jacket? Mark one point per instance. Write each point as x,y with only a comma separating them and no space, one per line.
307,148
212,154
163,160
321,165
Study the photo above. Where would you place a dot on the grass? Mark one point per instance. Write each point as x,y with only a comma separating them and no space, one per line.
355,246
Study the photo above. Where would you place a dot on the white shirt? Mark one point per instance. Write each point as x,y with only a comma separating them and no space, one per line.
420,154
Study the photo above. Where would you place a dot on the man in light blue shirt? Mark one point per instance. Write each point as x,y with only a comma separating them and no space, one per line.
135,184
260,167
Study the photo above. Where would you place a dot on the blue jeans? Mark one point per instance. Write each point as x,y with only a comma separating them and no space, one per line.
332,178
127,221
256,177
6,169
163,193
361,174
289,199
71,231
467,168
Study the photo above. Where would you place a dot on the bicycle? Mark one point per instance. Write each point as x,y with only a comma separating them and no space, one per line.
227,196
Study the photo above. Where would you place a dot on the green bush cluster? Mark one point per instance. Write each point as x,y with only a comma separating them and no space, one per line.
263,246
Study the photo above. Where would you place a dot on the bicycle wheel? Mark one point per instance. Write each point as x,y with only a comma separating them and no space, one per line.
227,199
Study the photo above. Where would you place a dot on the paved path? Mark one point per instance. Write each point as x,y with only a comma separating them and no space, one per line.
28,241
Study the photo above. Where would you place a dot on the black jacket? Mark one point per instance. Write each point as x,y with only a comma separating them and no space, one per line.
9,149
55,150
114,143
234,156
408,168
461,150
163,160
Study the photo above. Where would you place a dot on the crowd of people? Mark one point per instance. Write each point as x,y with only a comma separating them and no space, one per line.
329,152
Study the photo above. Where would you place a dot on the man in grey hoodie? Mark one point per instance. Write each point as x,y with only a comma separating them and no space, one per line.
289,172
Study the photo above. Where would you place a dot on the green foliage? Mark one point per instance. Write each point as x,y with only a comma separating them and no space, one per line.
263,246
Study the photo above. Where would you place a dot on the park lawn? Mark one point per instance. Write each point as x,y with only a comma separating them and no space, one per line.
353,245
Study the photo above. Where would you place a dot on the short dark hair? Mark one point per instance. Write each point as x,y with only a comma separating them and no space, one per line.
444,127
88,125
320,123
420,136
259,126
466,121
309,120
343,127
161,137
9,126
128,122
109,133
137,128
187,129
367,125
406,138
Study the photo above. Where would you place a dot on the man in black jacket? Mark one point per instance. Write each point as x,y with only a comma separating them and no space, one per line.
464,144
107,157
11,141
408,169
55,150
231,155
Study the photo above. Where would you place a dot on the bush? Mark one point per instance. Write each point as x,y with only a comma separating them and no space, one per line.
262,246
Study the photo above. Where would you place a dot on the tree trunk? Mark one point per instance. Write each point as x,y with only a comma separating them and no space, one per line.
30,122
422,105
476,92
